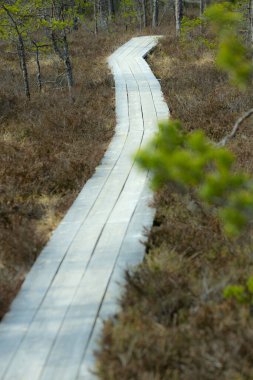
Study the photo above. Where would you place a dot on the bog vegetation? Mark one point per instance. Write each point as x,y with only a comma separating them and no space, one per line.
51,136
56,114
190,161
187,310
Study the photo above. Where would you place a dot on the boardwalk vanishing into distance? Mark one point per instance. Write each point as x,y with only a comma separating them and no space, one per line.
52,327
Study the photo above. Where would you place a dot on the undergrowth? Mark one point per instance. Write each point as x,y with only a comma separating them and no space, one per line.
175,322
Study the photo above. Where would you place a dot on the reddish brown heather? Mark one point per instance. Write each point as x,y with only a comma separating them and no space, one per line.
49,148
174,323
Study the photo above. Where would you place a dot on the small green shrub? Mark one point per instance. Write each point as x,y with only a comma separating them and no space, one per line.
241,293
189,161
232,55
190,36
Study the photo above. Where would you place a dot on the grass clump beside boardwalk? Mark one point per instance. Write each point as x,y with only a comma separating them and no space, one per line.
49,147
175,322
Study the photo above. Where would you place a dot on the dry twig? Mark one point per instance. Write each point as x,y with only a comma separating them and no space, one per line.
236,126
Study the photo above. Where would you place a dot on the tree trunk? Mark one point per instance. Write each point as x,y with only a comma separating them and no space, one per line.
178,15
155,14
201,7
251,22
102,6
23,65
38,67
63,53
55,44
95,16
151,10
68,64
111,8
144,13
21,53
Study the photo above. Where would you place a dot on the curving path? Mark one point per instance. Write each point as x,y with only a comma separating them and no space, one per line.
52,327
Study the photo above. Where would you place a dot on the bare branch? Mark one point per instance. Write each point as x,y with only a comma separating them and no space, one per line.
241,119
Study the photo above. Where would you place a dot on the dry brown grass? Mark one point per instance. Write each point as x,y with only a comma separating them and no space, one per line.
49,148
201,97
197,92
174,323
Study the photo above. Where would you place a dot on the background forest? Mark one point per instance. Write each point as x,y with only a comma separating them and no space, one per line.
187,310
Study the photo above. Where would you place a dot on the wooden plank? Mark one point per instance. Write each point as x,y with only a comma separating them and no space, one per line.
12,330
32,353
88,298
131,253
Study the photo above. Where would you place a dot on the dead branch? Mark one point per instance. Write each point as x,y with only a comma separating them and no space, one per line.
236,126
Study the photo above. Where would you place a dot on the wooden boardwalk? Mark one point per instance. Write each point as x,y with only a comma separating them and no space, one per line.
52,327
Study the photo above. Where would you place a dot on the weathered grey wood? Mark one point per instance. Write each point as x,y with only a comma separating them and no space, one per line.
52,328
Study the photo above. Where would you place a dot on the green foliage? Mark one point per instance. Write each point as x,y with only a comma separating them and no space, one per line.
190,23
38,26
226,20
224,16
232,57
243,294
235,291
189,26
190,30
128,11
56,24
207,43
190,35
191,161
13,20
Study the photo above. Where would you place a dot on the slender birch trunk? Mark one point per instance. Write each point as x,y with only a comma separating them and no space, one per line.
144,13
155,14
178,15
